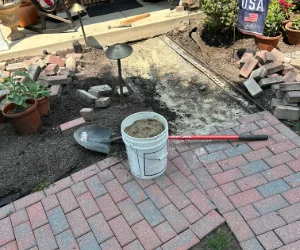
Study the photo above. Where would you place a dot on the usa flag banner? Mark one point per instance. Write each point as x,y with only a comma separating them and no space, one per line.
252,16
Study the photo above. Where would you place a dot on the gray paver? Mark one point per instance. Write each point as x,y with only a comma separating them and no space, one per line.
273,188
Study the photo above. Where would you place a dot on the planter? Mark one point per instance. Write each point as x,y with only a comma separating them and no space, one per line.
267,43
293,35
43,105
2,118
28,14
26,122
9,17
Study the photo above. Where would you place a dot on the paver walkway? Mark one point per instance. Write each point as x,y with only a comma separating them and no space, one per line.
254,186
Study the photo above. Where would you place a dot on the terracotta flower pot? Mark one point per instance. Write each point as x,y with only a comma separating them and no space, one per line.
293,35
26,122
43,105
267,43
2,118
28,14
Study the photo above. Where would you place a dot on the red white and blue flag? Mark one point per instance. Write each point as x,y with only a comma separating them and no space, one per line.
253,17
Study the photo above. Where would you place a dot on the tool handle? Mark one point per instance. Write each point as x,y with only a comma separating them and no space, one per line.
219,137
253,137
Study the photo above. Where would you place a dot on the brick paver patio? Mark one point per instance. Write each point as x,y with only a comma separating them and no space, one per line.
254,186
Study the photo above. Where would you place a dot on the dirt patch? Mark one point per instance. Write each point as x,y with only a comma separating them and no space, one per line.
30,162
224,56
145,128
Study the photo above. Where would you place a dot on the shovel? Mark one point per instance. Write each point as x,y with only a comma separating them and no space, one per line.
98,139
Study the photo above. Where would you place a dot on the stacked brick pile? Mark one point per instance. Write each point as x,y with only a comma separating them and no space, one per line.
265,69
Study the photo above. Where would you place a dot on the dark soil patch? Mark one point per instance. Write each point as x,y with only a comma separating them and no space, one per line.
145,128
28,162
234,244
224,57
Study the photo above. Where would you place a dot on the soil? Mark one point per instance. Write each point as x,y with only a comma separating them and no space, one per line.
31,162
145,128
224,56
19,109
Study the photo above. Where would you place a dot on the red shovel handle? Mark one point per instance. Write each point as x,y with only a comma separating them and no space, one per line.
220,137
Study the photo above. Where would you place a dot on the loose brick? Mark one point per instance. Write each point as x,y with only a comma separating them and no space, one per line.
6,231
163,181
266,223
135,245
177,197
248,67
270,241
122,230
14,67
258,74
277,160
87,114
191,213
292,196
254,167
253,88
277,173
57,220
7,210
233,162
164,231
70,127
108,162
88,204
55,90
220,200
55,60
88,242
248,212
122,174
181,182
59,186
287,132
200,201
130,211
151,213
245,198
228,176
258,154
244,58
116,191
28,200
212,158
214,169
274,67
37,215
157,196
95,186
175,218
204,178
79,188
289,233
67,200
19,217
251,182
24,236
51,69
270,205
106,176
266,82
295,153
291,213
261,57
100,228
107,207
251,244
181,166
45,238
230,189
146,235
66,240
238,226
238,150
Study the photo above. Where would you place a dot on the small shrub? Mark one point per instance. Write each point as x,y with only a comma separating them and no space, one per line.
221,15
296,23
275,17
220,240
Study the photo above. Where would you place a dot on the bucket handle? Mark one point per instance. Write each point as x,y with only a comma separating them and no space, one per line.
148,158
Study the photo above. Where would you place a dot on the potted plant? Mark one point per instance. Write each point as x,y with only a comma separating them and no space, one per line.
273,25
293,31
20,108
287,7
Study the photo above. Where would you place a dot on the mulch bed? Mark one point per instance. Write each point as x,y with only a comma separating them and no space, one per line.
30,162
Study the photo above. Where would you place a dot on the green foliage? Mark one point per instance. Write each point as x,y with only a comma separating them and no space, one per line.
275,17
295,23
220,240
221,15
42,186
19,92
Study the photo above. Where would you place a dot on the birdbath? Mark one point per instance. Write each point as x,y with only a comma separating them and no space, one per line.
118,52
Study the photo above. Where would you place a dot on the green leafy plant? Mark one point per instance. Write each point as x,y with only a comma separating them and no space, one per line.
295,23
221,15
18,92
220,240
41,187
287,7
275,17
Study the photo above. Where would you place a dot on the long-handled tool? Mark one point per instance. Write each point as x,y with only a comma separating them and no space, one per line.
98,139
119,26
134,19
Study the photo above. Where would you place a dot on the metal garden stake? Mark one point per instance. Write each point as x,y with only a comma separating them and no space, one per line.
77,8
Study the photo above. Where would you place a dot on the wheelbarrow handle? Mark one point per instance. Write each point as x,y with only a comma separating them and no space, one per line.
220,137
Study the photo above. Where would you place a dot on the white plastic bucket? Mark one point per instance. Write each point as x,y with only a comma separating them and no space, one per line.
147,156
